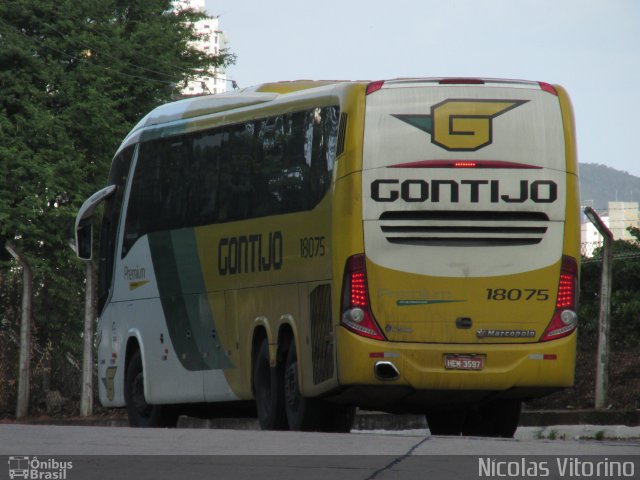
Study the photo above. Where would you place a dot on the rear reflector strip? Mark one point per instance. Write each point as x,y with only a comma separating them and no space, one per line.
540,356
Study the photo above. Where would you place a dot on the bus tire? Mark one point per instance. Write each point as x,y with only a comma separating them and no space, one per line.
269,391
339,418
495,419
302,412
446,423
312,414
140,413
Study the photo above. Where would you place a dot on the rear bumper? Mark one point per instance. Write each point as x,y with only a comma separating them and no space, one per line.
523,370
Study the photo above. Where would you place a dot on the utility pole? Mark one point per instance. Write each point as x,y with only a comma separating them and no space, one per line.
602,364
24,372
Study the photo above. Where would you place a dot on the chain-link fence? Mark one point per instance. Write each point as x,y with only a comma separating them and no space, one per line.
55,378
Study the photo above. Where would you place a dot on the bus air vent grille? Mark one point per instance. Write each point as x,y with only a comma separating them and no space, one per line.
464,228
321,333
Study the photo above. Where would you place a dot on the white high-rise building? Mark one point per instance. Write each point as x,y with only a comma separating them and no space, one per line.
216,41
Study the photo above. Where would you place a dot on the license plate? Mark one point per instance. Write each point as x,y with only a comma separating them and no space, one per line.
464,362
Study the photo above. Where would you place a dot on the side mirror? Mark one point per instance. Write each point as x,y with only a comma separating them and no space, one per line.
84,240
84,227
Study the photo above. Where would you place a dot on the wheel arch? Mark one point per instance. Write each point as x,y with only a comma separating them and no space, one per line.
286,335
260,334
278,344
134,344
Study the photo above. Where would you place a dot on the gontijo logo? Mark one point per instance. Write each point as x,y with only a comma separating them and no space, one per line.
461,125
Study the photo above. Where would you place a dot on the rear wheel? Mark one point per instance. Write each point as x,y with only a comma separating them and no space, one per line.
311,414
269,392
141,413
446,423
495,419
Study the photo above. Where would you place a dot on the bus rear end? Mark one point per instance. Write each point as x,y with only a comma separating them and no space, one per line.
463,301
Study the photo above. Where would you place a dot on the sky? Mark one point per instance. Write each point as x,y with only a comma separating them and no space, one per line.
590,47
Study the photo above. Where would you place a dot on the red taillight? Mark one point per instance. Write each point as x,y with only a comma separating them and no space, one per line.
374,86
564,319
566,291
355,309
548,88
358,292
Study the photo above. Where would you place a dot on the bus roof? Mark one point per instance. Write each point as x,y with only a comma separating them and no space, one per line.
208,104
199,106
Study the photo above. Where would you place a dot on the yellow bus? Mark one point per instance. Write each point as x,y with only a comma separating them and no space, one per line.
307,248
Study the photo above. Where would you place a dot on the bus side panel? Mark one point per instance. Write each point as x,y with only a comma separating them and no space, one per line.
110,367
165,379
162,303
260,264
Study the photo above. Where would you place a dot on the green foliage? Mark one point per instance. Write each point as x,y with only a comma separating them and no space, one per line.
76,76
625,301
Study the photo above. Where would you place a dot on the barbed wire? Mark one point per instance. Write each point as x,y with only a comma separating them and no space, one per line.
587,249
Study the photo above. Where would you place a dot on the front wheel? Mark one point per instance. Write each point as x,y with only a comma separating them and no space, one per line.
311,414
142,414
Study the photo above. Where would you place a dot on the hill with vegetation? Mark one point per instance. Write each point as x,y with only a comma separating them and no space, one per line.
600,184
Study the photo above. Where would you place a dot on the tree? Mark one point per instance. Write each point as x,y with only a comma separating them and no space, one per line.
76,76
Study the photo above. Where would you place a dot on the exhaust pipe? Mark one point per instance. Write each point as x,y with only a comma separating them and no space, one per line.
386,371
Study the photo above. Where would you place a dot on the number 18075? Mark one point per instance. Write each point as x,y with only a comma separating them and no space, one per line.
516,294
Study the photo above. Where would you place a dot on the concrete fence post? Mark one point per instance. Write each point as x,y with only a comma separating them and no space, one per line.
24,368
602,361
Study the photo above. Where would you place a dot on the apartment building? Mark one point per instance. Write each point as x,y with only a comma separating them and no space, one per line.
215,41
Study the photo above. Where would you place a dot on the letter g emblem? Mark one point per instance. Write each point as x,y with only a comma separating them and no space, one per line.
461,125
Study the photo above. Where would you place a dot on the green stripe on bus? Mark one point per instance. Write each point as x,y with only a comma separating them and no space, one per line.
187,311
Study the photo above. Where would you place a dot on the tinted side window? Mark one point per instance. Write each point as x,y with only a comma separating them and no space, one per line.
158,198
236,174
271,166
203,177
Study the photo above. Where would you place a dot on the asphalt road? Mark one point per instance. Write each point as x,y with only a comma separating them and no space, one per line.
110,453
